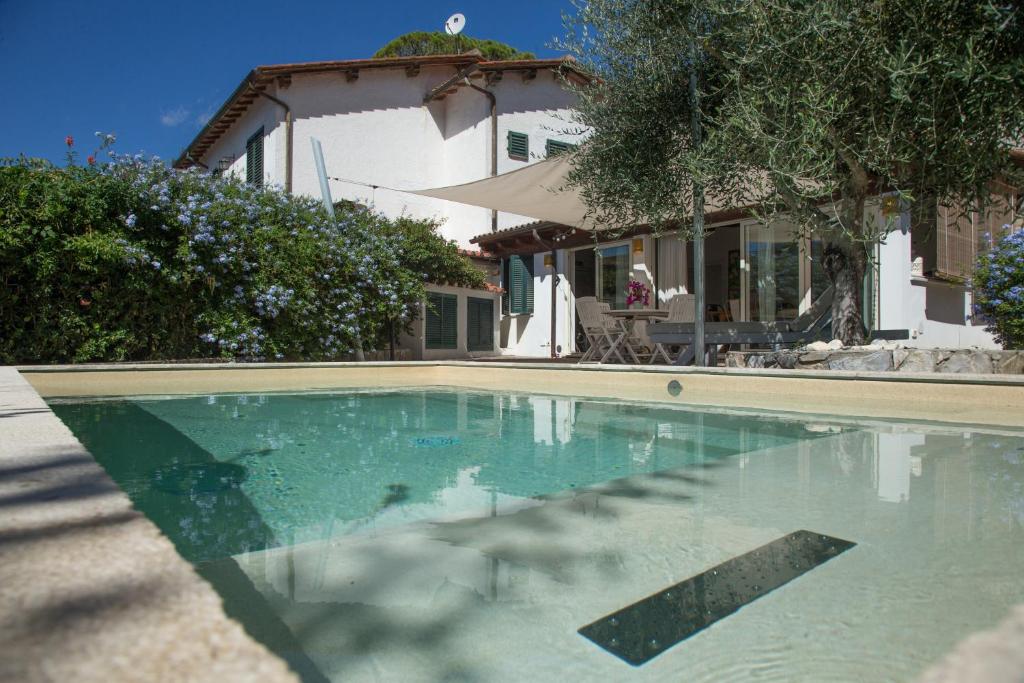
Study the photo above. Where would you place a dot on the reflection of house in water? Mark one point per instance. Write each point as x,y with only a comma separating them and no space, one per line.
552,419
894,464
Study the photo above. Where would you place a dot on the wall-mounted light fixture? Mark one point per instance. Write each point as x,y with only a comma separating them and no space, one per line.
225,163
638,245
549,261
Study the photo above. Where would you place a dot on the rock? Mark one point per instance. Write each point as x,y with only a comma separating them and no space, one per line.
736,359
755,361
872,361
1009,363
834,345
787,360
817,346
973,362
915,360
816,356
887,345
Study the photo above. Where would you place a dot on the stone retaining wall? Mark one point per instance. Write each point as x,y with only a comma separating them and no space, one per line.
878,358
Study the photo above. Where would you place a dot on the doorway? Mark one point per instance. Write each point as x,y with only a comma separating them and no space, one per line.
583,283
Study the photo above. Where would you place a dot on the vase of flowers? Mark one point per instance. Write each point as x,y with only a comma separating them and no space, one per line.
638,295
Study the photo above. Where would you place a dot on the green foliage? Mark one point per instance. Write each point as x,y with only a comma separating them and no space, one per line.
808,108
427,253
131,260
640,159
420,43
999,290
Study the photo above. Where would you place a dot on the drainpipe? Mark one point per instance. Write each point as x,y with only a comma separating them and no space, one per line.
494,142
287,135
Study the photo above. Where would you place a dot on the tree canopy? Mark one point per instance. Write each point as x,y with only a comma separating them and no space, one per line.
420,43
810,109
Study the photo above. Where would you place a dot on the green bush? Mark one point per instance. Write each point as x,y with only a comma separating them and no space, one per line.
419,43
131,260
435,258
999,290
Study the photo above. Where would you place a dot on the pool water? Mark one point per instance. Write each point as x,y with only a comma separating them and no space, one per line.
453,535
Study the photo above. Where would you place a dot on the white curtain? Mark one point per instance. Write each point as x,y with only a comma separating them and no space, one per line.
671,268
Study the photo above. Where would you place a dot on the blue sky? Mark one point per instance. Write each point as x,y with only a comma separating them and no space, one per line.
152,72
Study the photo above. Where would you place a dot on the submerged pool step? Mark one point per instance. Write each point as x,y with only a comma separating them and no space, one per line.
645,629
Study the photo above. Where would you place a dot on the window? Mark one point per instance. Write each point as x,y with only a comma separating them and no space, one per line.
479,324
442,321
556,147
613,272
518,146
517,278
254,159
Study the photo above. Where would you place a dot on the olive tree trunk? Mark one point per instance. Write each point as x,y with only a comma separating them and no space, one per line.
845,261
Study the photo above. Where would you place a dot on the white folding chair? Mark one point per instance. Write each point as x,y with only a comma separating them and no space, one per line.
681,309
601,330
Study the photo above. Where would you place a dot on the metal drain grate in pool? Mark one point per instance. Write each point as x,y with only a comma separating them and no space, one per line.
645,629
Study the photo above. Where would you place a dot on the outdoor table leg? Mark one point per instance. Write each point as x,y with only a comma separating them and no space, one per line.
627,326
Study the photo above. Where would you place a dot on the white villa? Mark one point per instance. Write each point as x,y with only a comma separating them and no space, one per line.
390,126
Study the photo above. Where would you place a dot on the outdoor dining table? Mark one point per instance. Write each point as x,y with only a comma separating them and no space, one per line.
626,319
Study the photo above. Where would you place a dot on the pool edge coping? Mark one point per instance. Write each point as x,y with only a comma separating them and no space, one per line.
848,375
123,594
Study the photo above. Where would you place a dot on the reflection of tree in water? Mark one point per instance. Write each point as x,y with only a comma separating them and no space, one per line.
1003,486
197,503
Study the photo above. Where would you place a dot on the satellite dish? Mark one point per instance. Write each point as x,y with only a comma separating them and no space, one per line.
455,24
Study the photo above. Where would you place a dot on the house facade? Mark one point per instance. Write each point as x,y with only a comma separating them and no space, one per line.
918,281
392,125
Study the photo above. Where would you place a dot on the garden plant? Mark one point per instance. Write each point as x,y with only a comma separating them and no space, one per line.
131,260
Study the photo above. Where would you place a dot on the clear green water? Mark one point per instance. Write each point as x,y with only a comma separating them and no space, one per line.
227,474
440,535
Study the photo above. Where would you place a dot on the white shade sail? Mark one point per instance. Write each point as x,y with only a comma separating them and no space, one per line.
538,191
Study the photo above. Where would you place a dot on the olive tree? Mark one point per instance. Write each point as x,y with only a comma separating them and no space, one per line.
811,108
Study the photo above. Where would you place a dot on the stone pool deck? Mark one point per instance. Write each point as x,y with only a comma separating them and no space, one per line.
91,591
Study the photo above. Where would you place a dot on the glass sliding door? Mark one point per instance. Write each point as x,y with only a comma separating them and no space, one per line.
774,278
613,268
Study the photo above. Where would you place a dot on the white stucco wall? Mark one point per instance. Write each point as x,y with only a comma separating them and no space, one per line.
231,144
937,313
416,339
377,131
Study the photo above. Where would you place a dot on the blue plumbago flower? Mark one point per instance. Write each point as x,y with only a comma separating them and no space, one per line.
130,220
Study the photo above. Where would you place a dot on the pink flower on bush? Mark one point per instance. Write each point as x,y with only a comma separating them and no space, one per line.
69,141
91,159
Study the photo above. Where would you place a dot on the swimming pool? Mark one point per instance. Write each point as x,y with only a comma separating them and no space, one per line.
440,534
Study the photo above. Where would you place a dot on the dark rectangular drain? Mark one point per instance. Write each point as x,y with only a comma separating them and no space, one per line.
647,628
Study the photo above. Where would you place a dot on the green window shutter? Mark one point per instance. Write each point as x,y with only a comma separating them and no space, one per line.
254,159
507,296
518,146
479,324
556,147
519,284
441,325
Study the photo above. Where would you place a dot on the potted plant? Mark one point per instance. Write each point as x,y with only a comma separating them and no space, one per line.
638,295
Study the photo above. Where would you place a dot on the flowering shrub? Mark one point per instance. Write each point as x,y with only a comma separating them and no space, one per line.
637,293
999,290
132,260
